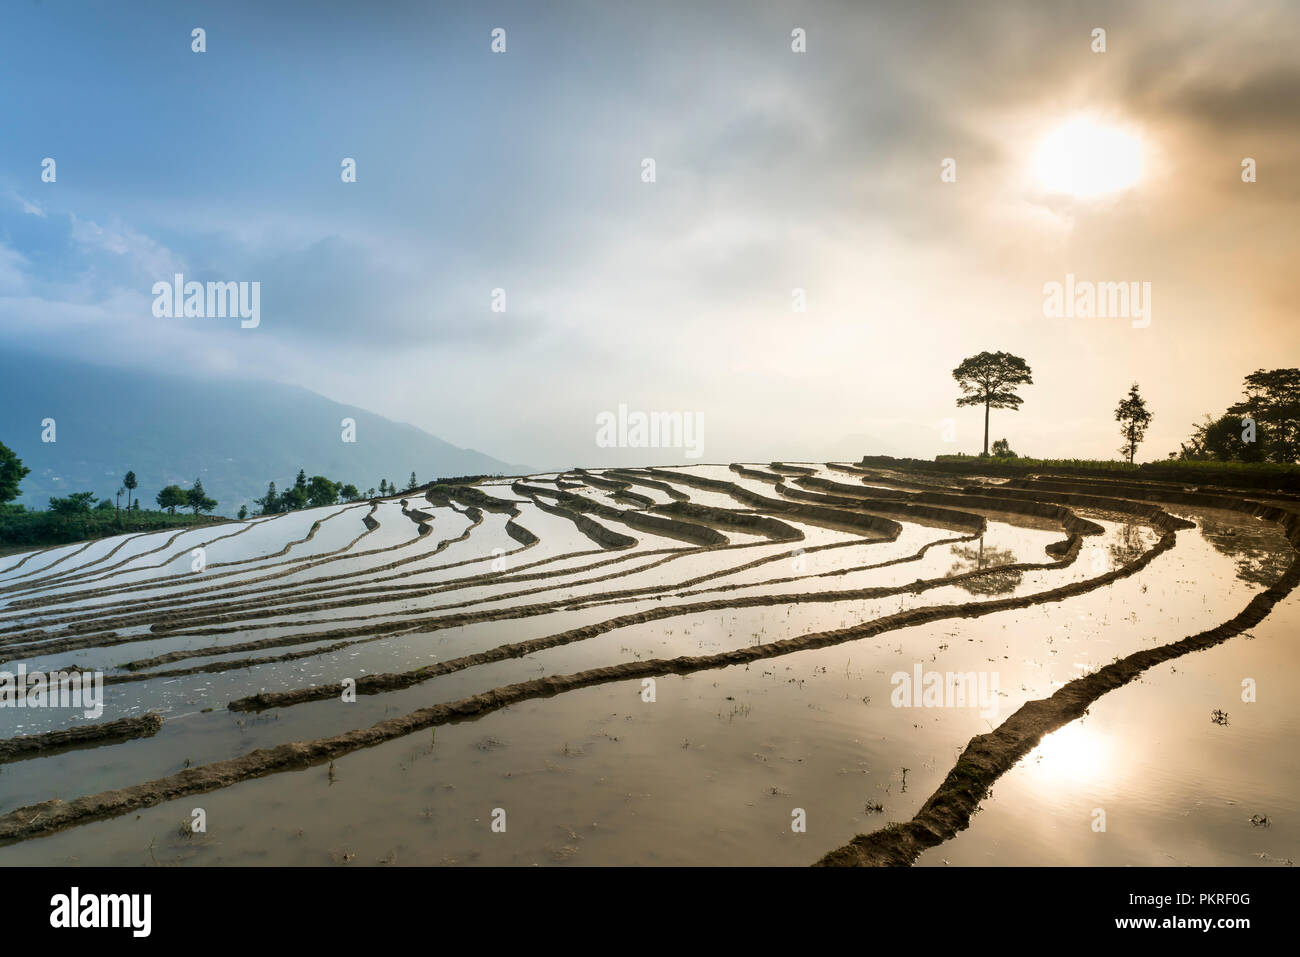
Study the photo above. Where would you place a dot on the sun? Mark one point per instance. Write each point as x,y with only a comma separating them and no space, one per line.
1087,158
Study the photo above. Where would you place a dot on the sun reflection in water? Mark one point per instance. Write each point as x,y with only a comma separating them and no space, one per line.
1073,753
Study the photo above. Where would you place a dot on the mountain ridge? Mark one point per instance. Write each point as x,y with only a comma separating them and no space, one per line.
235,434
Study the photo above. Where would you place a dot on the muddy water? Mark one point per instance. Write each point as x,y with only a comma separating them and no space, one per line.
714,768
1175,786
1151,776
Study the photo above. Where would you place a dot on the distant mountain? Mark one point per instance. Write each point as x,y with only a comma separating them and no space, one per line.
235,434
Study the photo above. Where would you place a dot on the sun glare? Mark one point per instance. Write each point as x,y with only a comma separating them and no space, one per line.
1086,158
1074,753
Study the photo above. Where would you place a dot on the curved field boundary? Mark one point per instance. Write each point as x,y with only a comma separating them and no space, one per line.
70,640
913,587
995,498
95,575
887,505
899,479
165,580
1267,479
34,553
598,533
49,816
624,595
307,538
60,561
1167,524
135,608
87,735
642,478
621,489
470,495
666,527
857,491
988,756
808,514
186,622
9,586
458,616
757,474
381,683
791,469
77,571
134,612
422,520
576,602
748,522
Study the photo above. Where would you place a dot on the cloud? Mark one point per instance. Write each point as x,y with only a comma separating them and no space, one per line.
27,206
141,255
13,279
775,170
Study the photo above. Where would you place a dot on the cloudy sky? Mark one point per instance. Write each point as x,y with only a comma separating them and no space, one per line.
775,170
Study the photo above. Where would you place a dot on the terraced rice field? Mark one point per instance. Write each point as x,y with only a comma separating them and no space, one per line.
685,665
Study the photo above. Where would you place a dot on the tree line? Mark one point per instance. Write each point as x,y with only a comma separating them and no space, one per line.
82,516
171,497
313,492
319,491
1263,427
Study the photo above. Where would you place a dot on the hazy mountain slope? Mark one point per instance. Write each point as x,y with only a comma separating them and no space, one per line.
235,434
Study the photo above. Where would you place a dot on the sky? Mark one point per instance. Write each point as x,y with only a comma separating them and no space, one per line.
774,171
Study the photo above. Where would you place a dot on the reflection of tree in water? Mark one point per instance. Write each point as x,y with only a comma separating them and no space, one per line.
1257,562
976,556
1129,546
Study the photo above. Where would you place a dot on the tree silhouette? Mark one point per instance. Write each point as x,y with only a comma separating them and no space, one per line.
1223,441
321,491
11,473
75,503
170,497
296,496
1273,399
198,500
990,379
270,502
1133,418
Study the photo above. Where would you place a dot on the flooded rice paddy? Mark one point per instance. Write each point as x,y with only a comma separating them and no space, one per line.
682,665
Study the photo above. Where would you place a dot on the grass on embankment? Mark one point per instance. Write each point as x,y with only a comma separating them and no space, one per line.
22,530
1252,475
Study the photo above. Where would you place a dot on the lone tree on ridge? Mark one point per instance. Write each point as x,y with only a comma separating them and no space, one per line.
990,379
1133,417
